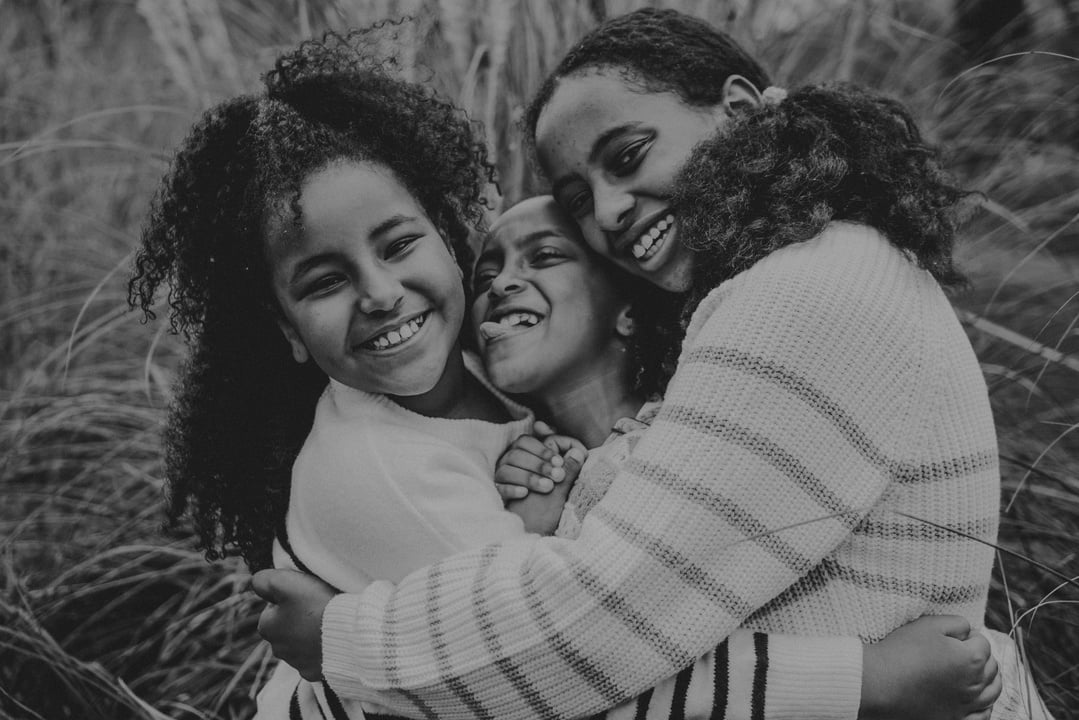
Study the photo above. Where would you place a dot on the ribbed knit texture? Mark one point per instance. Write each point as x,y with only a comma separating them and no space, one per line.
379,491
826,403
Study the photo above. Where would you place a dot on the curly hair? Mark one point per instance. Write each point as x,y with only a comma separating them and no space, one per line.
778,174
659,51
243,407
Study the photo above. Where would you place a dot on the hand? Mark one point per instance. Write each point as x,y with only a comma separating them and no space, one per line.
931,669
537,462
292,621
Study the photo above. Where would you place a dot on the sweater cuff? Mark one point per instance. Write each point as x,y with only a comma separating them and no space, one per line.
813,678
339,652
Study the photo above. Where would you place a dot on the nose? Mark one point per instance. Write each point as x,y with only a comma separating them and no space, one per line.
613,207
379,293
505,283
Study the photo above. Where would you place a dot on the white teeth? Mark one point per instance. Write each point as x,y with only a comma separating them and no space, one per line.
648,239
519,318
399,335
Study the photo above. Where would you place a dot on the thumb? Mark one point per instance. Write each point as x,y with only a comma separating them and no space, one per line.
265,584
542,430
955,626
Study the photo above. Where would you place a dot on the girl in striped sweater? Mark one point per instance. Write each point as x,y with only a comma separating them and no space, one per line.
825,459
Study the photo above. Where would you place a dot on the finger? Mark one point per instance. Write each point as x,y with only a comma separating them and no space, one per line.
507,474
263,585
534,445
955,626
983,714
994,685
542,429
981,652
510,492
266,621
527,462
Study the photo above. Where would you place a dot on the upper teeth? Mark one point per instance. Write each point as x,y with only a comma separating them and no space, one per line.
398,335
648,238
519,318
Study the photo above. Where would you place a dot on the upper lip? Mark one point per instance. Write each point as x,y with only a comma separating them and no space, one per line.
391,325
500,311
625,241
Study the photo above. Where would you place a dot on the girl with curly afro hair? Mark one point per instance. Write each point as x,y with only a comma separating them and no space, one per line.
824,462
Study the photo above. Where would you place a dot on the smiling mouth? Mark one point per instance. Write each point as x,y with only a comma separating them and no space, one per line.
651,240
396,336
508,324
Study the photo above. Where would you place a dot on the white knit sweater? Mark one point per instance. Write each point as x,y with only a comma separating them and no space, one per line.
827,418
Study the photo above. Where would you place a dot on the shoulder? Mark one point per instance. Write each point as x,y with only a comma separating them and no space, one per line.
849,273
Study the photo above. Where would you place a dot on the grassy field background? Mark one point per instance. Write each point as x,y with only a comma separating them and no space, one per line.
102,615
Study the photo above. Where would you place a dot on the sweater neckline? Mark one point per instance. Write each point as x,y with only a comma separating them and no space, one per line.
354,397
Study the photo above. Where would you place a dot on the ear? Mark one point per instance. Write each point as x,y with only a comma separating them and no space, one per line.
299,350
740,95
624,324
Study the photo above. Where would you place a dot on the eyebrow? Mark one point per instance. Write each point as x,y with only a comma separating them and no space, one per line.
598,147
381,229
308,263
390,223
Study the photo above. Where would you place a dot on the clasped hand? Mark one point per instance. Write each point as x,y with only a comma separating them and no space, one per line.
292,619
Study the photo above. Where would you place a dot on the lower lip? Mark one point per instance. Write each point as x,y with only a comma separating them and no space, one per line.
394,348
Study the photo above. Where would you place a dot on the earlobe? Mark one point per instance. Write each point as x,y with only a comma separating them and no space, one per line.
299,350
624,325
740,95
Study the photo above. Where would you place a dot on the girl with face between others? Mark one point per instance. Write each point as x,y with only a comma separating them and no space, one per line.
826,426
309,236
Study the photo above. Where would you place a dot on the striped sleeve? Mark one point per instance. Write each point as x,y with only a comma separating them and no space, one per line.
789,415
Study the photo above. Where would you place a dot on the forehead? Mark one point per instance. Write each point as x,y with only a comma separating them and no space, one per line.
585,107
528,221
352,189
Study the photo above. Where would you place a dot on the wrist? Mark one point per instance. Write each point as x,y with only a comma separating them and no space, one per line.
875,700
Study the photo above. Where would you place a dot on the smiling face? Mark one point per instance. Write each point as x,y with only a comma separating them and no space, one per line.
368,288
547,312
612,151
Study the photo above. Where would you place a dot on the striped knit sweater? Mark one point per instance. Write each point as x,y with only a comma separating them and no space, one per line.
827,419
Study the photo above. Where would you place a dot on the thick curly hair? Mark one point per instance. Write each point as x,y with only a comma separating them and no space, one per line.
243,407
659,51
778,174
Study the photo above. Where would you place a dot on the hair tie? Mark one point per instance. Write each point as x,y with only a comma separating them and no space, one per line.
773,95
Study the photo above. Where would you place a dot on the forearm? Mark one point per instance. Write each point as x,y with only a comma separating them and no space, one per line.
688,541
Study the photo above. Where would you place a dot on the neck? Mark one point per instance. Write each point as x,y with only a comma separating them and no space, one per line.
456,395
587,409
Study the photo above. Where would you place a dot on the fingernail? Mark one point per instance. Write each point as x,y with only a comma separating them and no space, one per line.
557,474
544,485
557,461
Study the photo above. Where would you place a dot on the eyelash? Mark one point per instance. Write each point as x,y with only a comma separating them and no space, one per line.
629,157
399,246
483,279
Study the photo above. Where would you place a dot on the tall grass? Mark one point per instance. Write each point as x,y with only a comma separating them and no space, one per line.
102,615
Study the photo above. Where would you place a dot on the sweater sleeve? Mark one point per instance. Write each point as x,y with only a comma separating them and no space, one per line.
786,420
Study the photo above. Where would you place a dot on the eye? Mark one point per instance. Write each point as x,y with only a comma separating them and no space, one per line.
627,159
547,255
577,204
482,279
397,247
324,285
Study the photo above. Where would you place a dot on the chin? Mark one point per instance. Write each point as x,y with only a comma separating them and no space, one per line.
510,378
